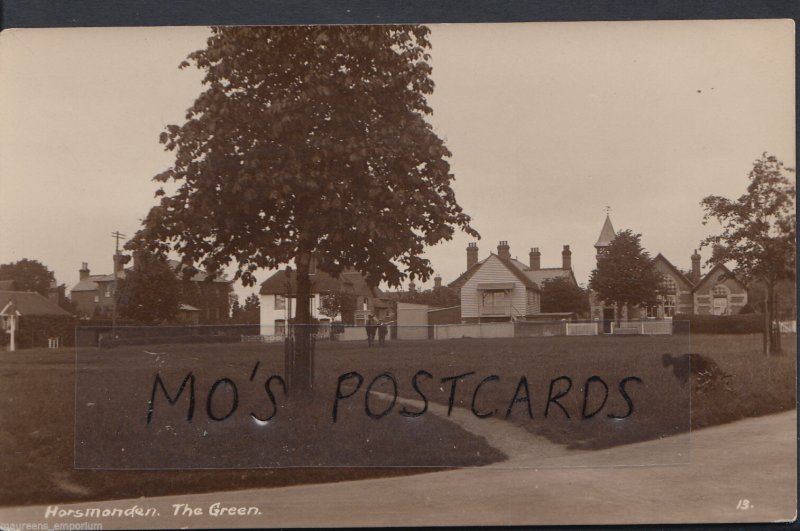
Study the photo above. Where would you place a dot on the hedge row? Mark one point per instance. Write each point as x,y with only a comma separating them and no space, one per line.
117,342
752,323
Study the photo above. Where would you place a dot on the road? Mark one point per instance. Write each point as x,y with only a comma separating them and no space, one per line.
743,471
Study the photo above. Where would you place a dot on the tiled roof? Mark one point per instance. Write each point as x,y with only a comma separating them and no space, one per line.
90,282
674,269
31,303
718,273
606,234
530,278
540,276
87,284
279,283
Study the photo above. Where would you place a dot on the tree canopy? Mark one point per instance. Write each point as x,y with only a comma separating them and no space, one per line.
28,275
625,273
338,303
308,141
758,232
150,293
562,295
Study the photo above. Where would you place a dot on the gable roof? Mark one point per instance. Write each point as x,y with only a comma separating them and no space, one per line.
674,269
510,264
352,281
719,272
31,303
606,234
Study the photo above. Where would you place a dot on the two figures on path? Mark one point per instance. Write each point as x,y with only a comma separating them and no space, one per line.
376,327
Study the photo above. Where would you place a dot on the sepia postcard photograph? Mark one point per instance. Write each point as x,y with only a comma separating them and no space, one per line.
535,273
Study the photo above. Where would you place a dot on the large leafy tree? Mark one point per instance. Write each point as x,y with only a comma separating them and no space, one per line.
562,295
150,293
28,275
308,141
758,234
625,273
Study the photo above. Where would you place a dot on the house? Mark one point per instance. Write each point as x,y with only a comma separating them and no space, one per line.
502,288
718,292
279,299
203,300
33,319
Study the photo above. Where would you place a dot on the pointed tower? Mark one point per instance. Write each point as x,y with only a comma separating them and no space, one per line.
606,235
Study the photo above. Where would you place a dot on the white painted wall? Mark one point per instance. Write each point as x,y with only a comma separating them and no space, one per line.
268,313
492,270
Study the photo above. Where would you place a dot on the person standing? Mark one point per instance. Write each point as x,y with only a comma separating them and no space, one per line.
382,330
370,331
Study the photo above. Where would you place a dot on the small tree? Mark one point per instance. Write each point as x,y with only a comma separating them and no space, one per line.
150,293
758,235
562,295
28,275
336,303
438,297
625,274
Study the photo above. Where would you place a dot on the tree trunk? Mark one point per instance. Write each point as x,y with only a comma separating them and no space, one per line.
776,328
768,320
300,363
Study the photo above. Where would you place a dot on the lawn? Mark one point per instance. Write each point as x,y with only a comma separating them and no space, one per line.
303,444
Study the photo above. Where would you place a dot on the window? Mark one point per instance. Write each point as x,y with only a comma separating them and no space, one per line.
669,306
652,311
494,302
280,302
108,291
280,327
96,298
719,291
668,285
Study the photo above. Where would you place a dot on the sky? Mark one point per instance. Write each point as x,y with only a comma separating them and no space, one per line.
548,123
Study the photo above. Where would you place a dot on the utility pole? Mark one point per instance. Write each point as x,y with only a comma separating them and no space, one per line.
117,235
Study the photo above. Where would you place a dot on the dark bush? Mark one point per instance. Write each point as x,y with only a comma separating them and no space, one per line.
752,323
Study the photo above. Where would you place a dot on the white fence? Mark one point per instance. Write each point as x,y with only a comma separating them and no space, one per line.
474,330
646,328
787,327
583,329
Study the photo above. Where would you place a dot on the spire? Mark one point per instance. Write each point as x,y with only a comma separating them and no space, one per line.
606,234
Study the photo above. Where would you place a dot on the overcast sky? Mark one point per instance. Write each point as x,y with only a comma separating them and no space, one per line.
548,124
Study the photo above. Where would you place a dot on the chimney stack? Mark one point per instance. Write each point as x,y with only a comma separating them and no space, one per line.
412,286
84,271
566,258
118,264
535,259
472,254
503,250
437,282
695,267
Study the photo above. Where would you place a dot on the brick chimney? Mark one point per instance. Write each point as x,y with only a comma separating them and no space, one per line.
472,254
535,259
118,263
84,271
695,267
437,282
566,258
412,286
503,250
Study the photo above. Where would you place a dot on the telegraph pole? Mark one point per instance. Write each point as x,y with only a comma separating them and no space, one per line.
117,235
